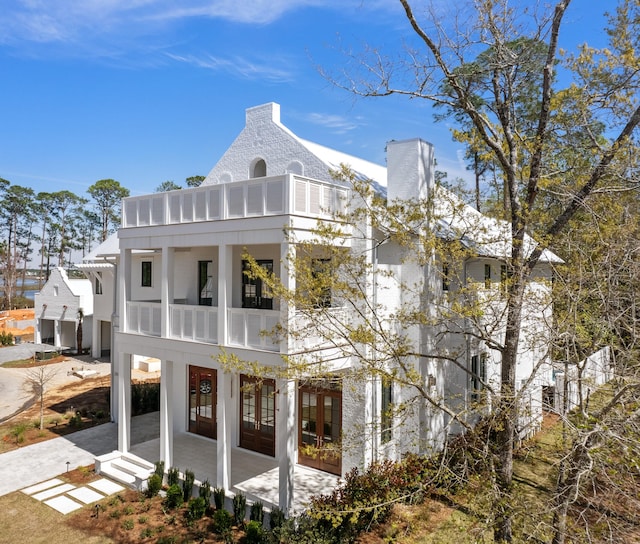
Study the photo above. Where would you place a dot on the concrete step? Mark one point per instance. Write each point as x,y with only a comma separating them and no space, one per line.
118,475
126,465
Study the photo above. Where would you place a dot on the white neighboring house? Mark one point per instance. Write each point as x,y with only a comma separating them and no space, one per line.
183,298
57,308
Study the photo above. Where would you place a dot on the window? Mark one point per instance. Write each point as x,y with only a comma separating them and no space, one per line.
205,283
320,292
98,283
254,293
259,169
386,412
146,273
478,375
445,277
487,276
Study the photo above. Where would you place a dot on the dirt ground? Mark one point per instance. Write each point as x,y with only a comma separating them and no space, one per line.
68,407
9,316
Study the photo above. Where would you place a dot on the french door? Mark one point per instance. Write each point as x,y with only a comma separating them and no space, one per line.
258,415
319,428
254,292
202,401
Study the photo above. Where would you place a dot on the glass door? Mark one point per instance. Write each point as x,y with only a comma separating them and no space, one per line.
258,415
202,401
319,429
254,292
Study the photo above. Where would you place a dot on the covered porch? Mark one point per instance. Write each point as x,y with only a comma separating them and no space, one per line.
253,474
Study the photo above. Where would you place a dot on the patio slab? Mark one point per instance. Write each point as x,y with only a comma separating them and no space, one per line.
106,487
53,491
42,486
85,495
63,504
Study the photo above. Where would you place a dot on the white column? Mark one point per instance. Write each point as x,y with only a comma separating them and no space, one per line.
96,337
166,288
224,415
124,290
166,412
286,443
57,325
124,401
38,331
225,285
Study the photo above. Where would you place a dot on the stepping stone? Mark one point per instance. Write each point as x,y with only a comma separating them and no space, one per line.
106,486
41,486
52,492
63,504
85,495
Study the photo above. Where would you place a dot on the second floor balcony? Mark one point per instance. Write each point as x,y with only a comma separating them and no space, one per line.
288,194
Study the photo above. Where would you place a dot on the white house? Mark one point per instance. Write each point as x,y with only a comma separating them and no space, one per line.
58,307
183,299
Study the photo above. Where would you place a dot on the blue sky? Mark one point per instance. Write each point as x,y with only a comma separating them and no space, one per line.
144,91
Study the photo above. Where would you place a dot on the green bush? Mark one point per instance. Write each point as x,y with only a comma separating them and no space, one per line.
154,485
239,508
127,524
204,491
218,498
159,469
222,521
174,497
145,398
187,484
256,513
255,534
197,508
173,476
276,518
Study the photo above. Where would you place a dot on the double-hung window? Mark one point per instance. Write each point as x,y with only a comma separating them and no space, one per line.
146,273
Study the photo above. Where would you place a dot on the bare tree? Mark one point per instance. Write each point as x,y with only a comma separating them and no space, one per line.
38,381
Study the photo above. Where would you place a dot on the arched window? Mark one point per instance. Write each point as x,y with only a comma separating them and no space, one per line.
295,167
259,169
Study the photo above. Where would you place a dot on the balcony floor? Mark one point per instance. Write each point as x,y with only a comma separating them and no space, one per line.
253,474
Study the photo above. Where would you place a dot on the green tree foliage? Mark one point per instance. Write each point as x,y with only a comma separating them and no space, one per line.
194,181
166,186
107,195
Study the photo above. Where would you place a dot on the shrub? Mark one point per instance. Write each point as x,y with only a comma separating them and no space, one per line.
276,518
174,497
159,470
197,508
239,508
187,484
222,521
154,485
204,491
173,476
255,534
218,498
127,524
256,512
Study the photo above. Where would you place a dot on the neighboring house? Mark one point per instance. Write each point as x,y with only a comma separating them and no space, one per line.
182,298
57,307
100,267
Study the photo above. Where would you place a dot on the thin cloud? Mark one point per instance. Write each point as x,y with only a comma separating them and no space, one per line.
335,123
239,66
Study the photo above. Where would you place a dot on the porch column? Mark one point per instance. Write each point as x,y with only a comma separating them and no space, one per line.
166,413
166,289
371,411
286,443
96,337
38,332
224,410
124,401
124,290
225,284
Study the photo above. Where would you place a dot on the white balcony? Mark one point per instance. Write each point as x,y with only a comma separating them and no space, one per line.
199,323
280,195
252,328
144,318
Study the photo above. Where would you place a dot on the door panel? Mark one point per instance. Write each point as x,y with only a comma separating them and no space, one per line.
202,401
254,293
319,429
258,415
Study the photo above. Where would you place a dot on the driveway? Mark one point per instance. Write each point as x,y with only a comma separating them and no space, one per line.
15,394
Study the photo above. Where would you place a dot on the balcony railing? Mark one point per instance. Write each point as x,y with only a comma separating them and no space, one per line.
282,195
144,318
251,328
199,323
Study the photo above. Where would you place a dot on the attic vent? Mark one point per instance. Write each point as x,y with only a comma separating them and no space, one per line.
295,167
259,169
